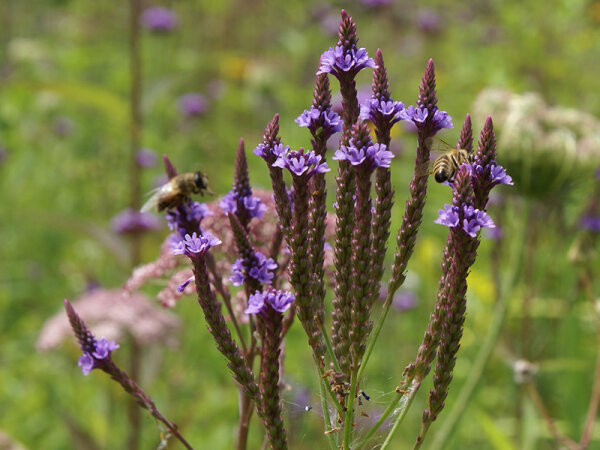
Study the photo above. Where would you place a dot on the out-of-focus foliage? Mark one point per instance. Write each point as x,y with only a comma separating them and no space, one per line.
65,171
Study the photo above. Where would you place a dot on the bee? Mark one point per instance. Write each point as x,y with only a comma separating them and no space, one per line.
445,166
176,191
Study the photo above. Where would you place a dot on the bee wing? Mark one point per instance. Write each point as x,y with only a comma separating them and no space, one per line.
436,145
155,195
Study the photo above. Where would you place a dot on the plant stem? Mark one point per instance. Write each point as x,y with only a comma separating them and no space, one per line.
595,397
246,409
483,356
350,410
336,364
326,416
404,409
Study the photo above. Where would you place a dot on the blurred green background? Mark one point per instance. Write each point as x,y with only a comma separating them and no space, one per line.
65,171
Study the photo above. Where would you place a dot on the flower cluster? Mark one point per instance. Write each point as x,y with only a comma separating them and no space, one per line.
497,174
159,19
376,109
418,116
102,350
315,118
339,62
470,219
192,105
192,212
301,163
264,151
253,205
133,221
193,245
372,155
280,301
262,270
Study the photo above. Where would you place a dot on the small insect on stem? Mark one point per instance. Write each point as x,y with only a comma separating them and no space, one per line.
176,191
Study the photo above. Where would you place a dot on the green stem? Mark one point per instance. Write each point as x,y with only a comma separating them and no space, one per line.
375,334
404,409
350,410
334,360
326,417
482,358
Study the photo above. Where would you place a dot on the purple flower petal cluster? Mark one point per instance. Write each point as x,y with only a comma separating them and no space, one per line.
159,19
254,206
145,157
301,163
262,270
280,301
264,152
338,62
418,115
192,105
193,245
376,109
470,219
372,155
314,119
177,218
590,223
102,350
131,221
497,174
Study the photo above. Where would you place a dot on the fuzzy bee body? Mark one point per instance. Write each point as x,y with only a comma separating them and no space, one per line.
445,166
176,191
447,162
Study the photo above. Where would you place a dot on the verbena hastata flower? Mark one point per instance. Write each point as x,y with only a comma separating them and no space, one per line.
159,19
268,307
240,201
130,221
438,120
102,350
301,163
381,109
194,245
368,155
472,219
340,61
279,301
187,218
326,121
253,205
261,269
97,355
192,105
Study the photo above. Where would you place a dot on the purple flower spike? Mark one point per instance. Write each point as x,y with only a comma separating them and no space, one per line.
254,206
498,175
590,223
256,303
376,108
104,348
193,245
145,157
301,163
373,155
448,216
264,152
159,19
262,270
192,105
415,115
131,221
314,119
337,62
280,301
441,119
86,362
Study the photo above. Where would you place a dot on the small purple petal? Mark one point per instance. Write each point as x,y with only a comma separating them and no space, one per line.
86,362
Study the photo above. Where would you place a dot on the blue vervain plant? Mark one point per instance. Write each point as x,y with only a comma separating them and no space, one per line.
363,205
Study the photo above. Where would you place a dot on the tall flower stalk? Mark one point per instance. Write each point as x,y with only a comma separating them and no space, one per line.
254,291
